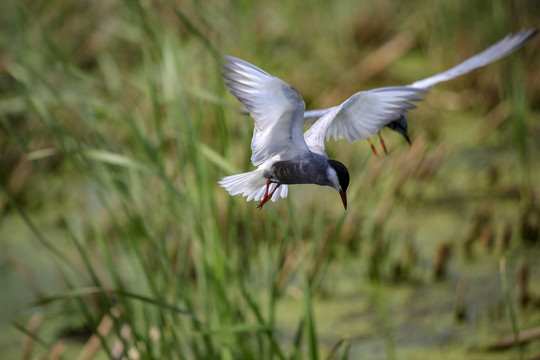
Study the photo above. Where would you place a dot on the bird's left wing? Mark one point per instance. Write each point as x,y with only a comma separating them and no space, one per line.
376,108
276,107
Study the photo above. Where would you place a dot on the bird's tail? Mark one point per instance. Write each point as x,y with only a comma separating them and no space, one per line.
251,185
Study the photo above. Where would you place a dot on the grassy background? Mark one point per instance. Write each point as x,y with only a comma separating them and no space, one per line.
116,125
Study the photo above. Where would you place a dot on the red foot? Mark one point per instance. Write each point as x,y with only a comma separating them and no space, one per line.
266,195
383,144
372,147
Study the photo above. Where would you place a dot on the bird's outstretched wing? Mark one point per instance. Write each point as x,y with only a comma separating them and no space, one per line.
341,125
500,49
276,107
362,115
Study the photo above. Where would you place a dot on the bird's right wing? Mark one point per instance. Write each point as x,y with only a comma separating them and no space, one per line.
362,115
276,107
500,49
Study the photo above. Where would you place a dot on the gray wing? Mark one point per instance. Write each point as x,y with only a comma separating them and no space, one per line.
509,44
276,107
376,108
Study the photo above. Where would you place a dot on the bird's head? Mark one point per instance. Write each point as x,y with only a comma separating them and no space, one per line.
400,125
338,176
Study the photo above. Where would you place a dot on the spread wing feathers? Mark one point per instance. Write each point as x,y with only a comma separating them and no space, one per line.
507,45
252,185
498,50
276,107
362,115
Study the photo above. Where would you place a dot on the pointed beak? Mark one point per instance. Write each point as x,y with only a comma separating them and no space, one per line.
403,131
406,136
343,198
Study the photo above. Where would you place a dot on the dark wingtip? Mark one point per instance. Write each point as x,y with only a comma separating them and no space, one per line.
532,33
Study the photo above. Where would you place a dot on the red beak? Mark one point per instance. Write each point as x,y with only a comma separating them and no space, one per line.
343,198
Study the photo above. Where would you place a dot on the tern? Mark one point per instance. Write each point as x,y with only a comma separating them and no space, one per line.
285,155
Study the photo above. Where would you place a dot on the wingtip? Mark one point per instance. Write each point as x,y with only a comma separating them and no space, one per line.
520,38
230,58
231,63
529,34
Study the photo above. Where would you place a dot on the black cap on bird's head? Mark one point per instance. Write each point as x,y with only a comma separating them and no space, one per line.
343,179
400,125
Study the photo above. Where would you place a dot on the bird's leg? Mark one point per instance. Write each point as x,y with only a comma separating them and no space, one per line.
372,147
266,195
268,182
273,191
382,143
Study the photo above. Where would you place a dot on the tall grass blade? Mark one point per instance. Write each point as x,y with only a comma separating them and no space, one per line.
510,307
309,320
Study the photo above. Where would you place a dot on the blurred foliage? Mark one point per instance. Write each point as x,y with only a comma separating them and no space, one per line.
116,125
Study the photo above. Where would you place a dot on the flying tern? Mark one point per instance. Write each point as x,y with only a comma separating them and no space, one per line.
285,155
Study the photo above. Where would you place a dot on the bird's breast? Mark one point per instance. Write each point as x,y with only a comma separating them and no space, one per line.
298,172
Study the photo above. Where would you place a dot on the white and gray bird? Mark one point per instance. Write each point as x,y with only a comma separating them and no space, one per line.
285,155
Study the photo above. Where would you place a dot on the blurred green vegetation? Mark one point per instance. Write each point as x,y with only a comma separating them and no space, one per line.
116,125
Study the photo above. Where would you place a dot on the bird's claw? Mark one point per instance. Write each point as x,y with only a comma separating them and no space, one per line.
266,195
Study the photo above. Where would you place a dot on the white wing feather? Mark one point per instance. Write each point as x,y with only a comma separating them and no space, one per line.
276,107
500,49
